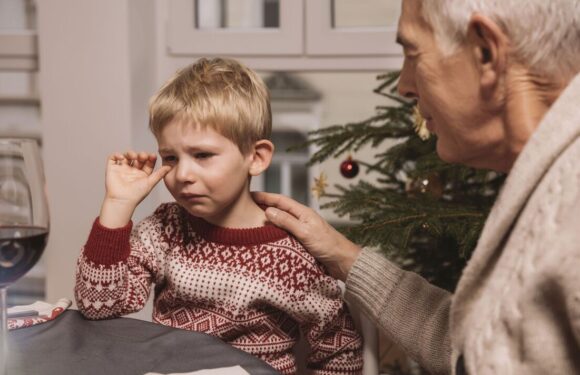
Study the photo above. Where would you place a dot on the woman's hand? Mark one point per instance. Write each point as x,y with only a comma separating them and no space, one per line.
129,178
327,245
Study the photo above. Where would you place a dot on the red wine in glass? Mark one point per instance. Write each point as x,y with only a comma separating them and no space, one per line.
24,221
20,249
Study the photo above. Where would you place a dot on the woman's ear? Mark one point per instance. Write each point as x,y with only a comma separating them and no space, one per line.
491,47
261,156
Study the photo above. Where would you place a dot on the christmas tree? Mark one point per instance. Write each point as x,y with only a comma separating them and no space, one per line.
423,213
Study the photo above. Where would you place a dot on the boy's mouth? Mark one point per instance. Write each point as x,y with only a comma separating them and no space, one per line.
190,196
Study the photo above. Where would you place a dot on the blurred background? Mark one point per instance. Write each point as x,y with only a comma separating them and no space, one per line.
77,75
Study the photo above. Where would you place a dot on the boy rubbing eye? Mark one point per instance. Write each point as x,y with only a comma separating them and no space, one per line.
211,254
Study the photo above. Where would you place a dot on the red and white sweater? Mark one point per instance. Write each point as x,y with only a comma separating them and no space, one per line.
253,288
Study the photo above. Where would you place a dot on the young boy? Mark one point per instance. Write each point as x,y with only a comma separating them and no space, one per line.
217,265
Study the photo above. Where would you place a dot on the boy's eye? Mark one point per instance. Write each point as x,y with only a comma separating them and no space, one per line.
203,155
168,159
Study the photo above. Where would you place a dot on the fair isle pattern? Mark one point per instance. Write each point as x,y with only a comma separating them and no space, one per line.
256,289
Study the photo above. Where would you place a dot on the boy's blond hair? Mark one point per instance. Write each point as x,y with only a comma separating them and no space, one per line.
218,93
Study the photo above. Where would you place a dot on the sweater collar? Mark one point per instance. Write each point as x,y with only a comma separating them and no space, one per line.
236,236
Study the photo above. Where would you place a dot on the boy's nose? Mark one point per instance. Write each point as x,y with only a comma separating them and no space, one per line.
184,173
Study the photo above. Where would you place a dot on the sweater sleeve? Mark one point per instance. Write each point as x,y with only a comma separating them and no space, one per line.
116,268
405,307
325,322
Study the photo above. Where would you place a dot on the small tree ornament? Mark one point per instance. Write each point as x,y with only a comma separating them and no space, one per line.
320,185
431,185
349,168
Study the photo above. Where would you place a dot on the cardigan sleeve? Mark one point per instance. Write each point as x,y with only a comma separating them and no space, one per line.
405,307
116,268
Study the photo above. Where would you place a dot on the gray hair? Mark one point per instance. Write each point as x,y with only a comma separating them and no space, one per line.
545,33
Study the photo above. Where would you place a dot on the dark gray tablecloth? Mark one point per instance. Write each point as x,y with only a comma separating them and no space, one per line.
72,345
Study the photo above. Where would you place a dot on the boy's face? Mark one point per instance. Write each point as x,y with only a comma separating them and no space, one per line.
209,175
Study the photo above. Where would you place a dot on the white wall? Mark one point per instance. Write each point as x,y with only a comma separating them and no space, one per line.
96,75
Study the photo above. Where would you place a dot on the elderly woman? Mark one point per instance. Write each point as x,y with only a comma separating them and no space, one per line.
498,82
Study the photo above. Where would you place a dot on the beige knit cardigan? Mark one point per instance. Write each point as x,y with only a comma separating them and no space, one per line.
516,309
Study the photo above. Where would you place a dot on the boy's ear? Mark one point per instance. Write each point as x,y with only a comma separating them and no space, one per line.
261,155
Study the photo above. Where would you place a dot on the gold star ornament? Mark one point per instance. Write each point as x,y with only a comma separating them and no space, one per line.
320,185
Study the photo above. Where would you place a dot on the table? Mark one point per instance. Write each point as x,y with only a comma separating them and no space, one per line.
70,344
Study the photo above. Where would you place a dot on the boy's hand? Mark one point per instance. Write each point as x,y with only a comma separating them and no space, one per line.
130,176
129,179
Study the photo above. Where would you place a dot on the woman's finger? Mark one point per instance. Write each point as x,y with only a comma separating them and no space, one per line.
287,222
283,203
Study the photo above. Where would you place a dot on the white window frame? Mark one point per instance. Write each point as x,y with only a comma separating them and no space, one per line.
322,39
18,50
185,39
180,42
286,162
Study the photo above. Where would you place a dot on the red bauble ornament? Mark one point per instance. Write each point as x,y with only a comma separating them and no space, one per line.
349,168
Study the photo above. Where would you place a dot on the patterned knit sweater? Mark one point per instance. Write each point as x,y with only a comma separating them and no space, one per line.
256,289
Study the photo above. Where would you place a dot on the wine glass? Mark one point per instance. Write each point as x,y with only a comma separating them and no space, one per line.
24,220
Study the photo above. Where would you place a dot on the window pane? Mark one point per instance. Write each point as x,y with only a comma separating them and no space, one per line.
272,179
300,184
17,14
215,14
368,13
20,84
288,173
286,139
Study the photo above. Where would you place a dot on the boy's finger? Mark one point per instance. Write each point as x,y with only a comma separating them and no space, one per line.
131,157
117,159
136,163
149,163
157,175
143,156
112,159
141,160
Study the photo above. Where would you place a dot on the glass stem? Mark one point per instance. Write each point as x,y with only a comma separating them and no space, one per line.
3,333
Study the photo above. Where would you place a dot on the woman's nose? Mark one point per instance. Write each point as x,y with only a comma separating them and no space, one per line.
406,86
